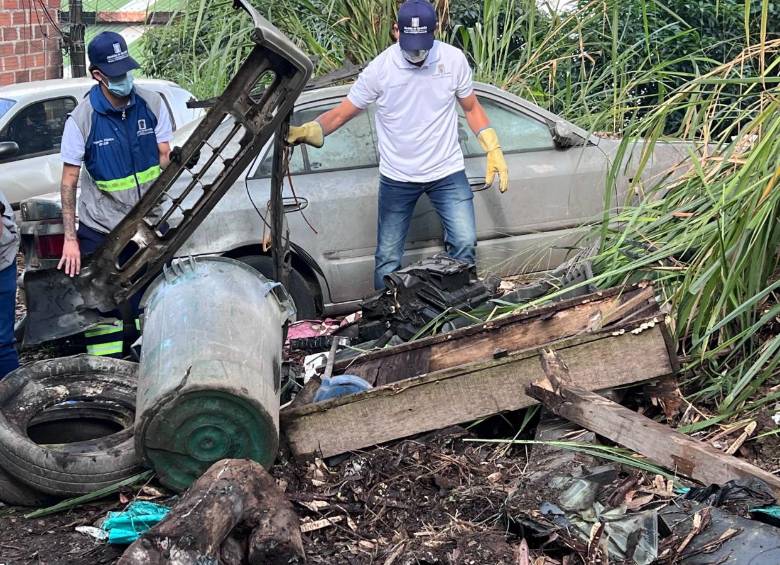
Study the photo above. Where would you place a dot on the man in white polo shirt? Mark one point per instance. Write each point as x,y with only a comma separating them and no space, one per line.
415,84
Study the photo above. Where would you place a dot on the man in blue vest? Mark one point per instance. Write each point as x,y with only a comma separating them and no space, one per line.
416,86
119,135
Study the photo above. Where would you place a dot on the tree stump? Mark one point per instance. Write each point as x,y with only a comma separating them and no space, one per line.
233,513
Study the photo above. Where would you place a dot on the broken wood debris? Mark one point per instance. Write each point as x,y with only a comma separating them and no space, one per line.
319,524
232,496
561,393
610,309
471,391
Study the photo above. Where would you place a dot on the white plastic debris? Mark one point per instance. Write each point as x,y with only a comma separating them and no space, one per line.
312,365
93,532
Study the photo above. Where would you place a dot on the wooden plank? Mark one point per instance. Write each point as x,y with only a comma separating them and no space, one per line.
561,392
518,332
461,394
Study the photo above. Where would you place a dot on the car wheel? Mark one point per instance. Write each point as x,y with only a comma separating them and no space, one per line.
51,399
300,289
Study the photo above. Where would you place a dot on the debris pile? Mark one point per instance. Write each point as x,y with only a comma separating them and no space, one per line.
356,482
420,294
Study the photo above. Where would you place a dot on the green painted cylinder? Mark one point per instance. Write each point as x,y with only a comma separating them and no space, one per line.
210,370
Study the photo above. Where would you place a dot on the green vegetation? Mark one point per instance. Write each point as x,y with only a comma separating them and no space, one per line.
599,64
710,240
646,70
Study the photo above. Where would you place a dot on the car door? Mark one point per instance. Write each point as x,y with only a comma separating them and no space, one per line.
554,194
36,168
337,184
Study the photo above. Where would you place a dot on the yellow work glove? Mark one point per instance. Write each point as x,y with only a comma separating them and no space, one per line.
309,133
496,164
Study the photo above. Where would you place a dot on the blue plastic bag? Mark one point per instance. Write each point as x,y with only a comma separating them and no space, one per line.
125,527
340,385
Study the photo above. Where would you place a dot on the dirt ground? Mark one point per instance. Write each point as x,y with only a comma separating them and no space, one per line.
434,499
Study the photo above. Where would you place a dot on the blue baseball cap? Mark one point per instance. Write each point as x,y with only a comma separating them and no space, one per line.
108,52
416,24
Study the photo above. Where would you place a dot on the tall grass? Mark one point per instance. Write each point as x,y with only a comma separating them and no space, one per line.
201,50
555,59
710,240
578,63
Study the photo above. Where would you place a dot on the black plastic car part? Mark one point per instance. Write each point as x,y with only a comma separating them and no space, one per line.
259,99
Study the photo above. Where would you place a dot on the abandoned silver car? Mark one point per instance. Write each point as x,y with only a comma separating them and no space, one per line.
557,180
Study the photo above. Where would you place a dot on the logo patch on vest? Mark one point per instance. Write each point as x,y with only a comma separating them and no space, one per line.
103,142
142,129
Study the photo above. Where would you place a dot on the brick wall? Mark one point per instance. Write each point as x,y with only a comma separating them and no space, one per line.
29,42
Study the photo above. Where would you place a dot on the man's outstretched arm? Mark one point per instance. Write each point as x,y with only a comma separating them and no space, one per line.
480,124
313,133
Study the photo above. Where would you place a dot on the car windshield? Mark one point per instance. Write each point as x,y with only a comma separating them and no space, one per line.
5,105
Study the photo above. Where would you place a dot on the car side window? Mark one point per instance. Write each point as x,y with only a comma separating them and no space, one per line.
296,163
351,146
516,131
37,128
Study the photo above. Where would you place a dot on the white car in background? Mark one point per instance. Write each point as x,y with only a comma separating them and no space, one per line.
32,115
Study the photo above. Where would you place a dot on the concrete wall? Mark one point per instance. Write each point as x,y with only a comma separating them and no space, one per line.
29,42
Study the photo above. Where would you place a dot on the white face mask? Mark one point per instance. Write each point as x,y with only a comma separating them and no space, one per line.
415,57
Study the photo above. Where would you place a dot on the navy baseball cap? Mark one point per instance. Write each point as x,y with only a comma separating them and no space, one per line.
108,52
416,24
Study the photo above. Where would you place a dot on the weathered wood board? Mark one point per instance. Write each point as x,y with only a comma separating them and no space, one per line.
468,392
521,331
562,393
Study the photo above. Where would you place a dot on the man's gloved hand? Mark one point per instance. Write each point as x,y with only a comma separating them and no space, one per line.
496,164
309,133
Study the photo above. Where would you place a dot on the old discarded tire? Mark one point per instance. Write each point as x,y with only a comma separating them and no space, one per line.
15,493
80,386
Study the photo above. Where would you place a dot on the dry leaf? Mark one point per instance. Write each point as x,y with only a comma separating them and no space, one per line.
522,554
639,501
149,492
314,505
319,524
749,429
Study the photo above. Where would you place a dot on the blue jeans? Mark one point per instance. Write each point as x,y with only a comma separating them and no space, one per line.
453,201
9,360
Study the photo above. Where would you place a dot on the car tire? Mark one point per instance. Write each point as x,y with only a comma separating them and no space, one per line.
67,469
302,292
15,493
